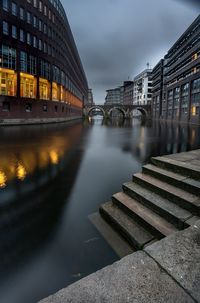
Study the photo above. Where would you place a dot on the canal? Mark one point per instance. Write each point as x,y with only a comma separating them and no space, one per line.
52,177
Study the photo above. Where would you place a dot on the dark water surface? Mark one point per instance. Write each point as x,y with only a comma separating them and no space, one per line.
51,178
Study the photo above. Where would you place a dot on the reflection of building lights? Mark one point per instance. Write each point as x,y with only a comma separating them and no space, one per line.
21,172
54,157
3,179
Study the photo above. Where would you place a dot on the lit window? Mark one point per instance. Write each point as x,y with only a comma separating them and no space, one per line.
27,86
5,28
55,91
8,82
44,89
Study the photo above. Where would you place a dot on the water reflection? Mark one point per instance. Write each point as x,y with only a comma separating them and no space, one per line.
32,173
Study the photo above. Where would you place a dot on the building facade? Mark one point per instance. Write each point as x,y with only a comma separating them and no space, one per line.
182,77
142,88
157,89
128,93
90,100
113,96
41,74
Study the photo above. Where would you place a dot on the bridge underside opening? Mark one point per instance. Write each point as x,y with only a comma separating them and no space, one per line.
116,113
138,112
96,111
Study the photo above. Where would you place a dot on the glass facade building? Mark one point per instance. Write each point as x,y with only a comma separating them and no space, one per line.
180,84
40,68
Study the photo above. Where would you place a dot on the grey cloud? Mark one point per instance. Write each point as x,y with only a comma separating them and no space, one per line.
116,38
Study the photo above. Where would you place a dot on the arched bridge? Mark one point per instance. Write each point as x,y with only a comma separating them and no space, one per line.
126,110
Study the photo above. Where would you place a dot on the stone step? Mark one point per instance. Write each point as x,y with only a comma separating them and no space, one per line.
168,210
181,181
184,199
184,168
135,234
144,216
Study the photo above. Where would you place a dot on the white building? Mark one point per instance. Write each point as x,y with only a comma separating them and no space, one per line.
90,97
142,88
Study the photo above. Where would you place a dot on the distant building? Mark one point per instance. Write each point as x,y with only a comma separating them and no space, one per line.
157,89
113,96
128,92
142,88
90,100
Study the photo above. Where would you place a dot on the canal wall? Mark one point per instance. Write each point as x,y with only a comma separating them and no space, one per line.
4,122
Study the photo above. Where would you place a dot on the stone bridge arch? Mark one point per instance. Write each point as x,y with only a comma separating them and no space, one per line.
121,110
89,110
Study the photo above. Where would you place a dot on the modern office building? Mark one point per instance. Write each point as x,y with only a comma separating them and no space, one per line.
182,77
41,74
128,93
90,100
142,88
113,96
157,89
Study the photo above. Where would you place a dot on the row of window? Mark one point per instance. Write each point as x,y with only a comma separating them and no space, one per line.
11,6
6,107
28,64
28,38
28,88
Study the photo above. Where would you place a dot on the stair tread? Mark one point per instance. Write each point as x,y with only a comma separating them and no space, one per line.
172,175
159,201
146,214
126,223
181,164
165,172
180,193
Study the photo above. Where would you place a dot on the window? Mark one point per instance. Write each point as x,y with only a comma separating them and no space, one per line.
22,35
5,5
45,28
28,107
27,86
35,3
49,14
14,9
5,28
55,91
44,69
56,108
40,6
40,44
6,106
21,13
28,38
44,108
34,41
28,63
45,47
34,21
8,82
8,57
14,32
44,89
28,17
45,10
40,25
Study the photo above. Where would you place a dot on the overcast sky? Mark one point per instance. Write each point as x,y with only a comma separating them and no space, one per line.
116,38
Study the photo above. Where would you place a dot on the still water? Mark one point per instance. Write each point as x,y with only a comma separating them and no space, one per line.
52,177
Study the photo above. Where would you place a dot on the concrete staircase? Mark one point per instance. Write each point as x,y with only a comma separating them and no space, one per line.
162,199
